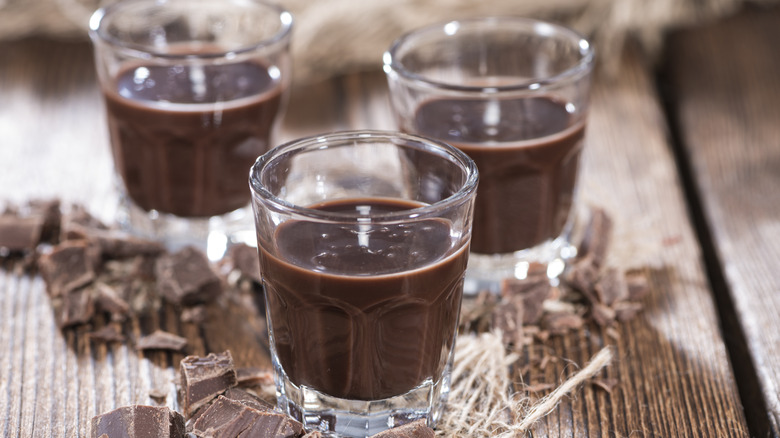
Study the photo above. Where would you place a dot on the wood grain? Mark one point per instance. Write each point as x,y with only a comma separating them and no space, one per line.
724,89
673,369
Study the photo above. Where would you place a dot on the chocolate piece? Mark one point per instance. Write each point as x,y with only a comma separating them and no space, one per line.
108,299
227,418
415,429
561,322
158,394
139,421
602,314
508,317
67,267
52,217
597,236
582,277
107,333
115,244
637,284
161,340
254,376
243,258
20,233
203,378
533,291
187,278
627,310
75,307
248,399
611,287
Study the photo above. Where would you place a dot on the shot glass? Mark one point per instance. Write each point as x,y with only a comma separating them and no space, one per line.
363,239
193,90
513,94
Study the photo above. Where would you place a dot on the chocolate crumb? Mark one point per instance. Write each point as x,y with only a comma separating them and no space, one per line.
161,340
611,287
203,378
415,429
187,278
138,421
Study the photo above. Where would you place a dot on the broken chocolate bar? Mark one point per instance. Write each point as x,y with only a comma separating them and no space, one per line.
139,421
187,278
69,266
415,429
227,418
20,233
203,378
74,307
161,340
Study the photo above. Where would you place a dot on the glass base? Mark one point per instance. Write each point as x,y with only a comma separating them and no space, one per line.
213,235
487,271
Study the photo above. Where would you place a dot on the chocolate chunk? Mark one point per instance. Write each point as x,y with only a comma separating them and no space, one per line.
20,233
508,317
139,421
561,322
227,418
195,315
415,429
52,217
251,400
159,395
187,278
243,258
161,340
582,277
203,378
109,299
107,333
254,376
637,285
533,291
598,233
611,287
602,314
115,244
74,308
69,266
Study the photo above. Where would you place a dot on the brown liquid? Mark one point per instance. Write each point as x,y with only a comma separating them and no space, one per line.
363,319
179,152
527,165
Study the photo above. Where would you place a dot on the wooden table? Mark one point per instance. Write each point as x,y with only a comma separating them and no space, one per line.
688,155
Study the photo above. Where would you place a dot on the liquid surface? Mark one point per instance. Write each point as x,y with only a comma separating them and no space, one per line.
527,152
363,312
184,137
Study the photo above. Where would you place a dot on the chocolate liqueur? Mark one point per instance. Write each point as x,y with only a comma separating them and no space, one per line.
527,166
349,317
179,152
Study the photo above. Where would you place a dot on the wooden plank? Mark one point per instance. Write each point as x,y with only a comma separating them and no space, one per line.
724,89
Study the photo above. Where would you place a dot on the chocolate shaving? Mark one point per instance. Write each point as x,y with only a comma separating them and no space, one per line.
161,340
203,378
607,384
139,421
415,429
187,278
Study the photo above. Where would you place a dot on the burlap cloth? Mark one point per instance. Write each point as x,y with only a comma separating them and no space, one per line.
337,36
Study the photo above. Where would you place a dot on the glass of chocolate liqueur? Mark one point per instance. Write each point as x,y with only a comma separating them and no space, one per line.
513,94
193,90
363,239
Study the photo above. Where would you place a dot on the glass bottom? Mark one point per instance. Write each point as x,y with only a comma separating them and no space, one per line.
213,235
337,417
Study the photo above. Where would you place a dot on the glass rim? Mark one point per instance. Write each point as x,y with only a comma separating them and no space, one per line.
341,138
391,63
98,33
